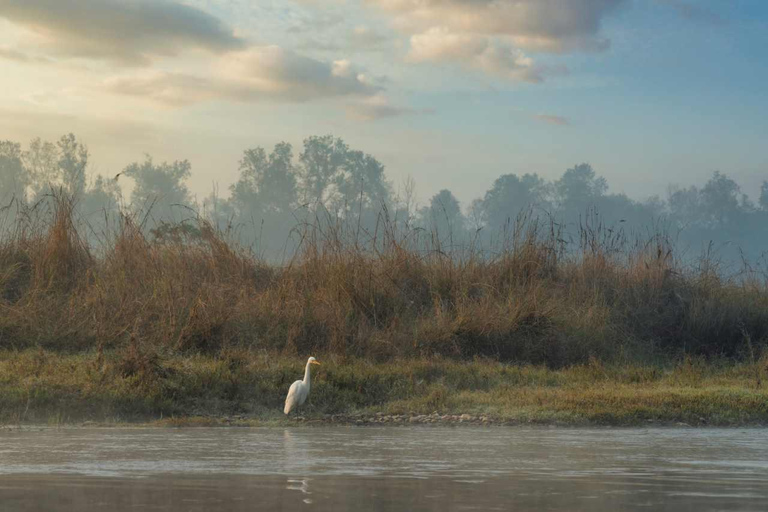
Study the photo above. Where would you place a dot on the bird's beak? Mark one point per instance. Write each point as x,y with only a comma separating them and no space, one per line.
316,362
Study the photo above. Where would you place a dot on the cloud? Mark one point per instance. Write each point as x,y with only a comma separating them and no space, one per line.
693,12
538,25
271,70
440,45
172,89
379,107
352,41
363,37
16,55
125,31
6,52
550,119
265,72
318,22
492,36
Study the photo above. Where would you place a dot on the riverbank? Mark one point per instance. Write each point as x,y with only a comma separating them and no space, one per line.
248,388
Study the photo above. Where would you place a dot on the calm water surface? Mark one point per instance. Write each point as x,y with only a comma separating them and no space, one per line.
346,468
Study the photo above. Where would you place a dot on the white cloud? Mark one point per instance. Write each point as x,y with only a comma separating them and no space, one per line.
10,53
265,72
286,74
350,40
480,52
491,35
125,31
172,89
141,31
364,37
378,107
553,25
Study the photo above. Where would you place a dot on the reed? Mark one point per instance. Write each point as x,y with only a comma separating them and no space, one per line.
394,293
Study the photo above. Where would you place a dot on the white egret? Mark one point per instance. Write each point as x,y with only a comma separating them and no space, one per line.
299,390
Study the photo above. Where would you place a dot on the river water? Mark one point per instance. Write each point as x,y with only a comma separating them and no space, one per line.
388,468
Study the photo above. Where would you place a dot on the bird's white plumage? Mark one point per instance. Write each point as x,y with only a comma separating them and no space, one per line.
297,395
299,390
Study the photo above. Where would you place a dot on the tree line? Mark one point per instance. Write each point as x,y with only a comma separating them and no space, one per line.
326,179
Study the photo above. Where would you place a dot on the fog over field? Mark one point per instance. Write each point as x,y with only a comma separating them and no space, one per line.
325,182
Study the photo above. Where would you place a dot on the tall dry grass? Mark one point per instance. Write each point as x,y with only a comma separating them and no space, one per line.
533,297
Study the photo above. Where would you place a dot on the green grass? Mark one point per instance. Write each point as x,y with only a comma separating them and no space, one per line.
39,387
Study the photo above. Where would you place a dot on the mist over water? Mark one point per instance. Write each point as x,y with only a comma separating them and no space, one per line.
384,469
326,184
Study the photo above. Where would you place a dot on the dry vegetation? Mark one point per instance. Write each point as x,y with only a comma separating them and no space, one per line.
185,323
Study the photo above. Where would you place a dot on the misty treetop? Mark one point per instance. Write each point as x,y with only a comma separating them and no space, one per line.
326,179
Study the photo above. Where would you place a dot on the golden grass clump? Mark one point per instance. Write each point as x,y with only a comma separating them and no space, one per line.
532,298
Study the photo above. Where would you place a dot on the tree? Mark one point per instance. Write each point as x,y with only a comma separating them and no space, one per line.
264,198
219,211
684,205
342,180
61,165
510,195
267,185
41,163
476,217
579,187
405,208
720,199
103,195
361,183
100,207
278,183
321,161
72,164
14,178
246,190
764,196
443,216
161,187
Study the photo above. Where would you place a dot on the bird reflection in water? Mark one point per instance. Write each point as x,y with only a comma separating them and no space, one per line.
292,449
300,485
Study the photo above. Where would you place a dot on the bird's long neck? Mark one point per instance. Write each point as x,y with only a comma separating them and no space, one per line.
307,375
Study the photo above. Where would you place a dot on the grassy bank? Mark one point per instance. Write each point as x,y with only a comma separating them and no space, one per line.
249,388
608,329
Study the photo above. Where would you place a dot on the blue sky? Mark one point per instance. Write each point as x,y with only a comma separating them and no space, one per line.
451,92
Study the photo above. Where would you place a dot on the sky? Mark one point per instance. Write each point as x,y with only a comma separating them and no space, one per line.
452,93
